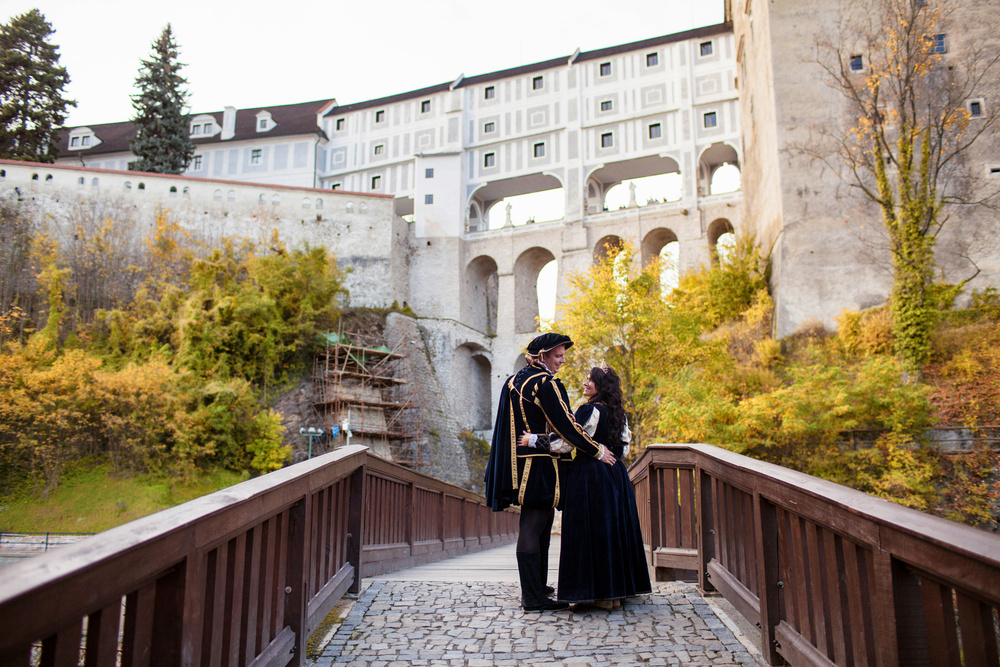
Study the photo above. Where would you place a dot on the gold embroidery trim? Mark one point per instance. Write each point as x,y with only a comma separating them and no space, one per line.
555,500
524,482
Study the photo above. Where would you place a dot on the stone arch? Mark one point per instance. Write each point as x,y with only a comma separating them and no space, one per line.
480,294
716,229
526,270
489,194
217,195
608,246
473,371
655,241
713,158
519,363
275,199
48,179
95,182
142,186
607,176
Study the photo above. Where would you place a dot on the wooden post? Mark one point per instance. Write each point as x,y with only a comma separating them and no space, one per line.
765,531
296,583
355,526
884,603
706,527
653,475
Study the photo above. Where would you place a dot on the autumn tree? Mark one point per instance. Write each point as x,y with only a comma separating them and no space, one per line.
913,110
161,142
32,105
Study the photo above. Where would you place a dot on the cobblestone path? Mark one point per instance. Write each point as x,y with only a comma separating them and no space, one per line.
401,623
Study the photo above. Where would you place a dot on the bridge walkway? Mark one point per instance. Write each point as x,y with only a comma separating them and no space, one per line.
466,611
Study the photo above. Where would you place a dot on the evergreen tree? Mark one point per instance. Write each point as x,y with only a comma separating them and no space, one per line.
32,106
161,138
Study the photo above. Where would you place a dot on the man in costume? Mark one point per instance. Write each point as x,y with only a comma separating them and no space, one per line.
533,400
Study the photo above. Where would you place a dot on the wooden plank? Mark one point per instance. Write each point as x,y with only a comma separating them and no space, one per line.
818,594
685,503
66,651
706,528
939,615
768,564
167,625
278,653
833,571
251,596
138,626
733,590
102,637
798,587
268,583
194,609
682,559
979,636
328,596
787,600
798,650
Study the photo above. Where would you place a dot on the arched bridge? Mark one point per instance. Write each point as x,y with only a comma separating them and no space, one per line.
828,575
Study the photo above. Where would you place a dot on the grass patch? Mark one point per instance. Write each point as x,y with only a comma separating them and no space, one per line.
91,498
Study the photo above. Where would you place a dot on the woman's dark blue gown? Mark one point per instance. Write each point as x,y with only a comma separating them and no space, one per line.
602,555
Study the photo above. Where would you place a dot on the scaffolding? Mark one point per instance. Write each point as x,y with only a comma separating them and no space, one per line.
358,380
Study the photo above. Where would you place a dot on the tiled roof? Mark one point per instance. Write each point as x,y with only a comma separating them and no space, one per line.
290,120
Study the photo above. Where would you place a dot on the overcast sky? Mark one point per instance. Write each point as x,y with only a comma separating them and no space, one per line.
257,53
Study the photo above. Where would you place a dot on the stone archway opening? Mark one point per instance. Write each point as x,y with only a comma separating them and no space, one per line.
662,243
721,239
527,268
480,294
718,170
634,183
518,201
607,248
472,370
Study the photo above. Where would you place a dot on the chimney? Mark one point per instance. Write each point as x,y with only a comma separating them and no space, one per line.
228,123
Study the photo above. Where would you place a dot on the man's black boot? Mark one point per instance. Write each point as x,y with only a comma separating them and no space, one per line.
533,596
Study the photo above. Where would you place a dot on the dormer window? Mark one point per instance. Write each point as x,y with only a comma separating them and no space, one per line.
81,138
264,121
202,126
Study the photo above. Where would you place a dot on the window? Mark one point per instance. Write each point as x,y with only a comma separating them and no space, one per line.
376,182
319,203
655,132
341,124
490,160
380,116
489,127
605,69
75,141
255,156
705,48
262,124
379,149
428,173
428,199
425,106
540,149
489,92
196,163
217,195
939,44
128,185
209,128
975,107
857,63
85,141
335,186
79,181
606,105
710,119
607,140
537,83
196,129
652,59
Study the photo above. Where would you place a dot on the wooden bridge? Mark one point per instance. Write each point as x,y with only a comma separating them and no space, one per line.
829,576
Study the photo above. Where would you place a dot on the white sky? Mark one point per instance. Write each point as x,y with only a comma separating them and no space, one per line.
258,53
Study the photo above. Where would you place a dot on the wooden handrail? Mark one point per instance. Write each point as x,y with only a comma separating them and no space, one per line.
830,575
242,576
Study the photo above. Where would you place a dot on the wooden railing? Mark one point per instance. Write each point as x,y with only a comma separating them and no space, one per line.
830,575
239,577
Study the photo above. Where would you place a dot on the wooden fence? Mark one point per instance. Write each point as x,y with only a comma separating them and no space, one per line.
830,575
239,577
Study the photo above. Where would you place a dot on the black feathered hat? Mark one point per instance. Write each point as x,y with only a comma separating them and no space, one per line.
548,341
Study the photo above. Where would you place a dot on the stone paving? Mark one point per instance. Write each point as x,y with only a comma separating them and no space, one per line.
481,624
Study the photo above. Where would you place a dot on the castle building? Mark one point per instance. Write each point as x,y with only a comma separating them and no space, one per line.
411,183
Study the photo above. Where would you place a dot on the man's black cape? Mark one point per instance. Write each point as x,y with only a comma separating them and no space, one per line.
500,492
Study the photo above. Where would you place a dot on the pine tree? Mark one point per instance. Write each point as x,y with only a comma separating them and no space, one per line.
161,138
32,106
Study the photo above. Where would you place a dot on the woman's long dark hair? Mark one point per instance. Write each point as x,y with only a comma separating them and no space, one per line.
609,393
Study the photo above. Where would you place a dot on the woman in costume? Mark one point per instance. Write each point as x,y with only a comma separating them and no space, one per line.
602,558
